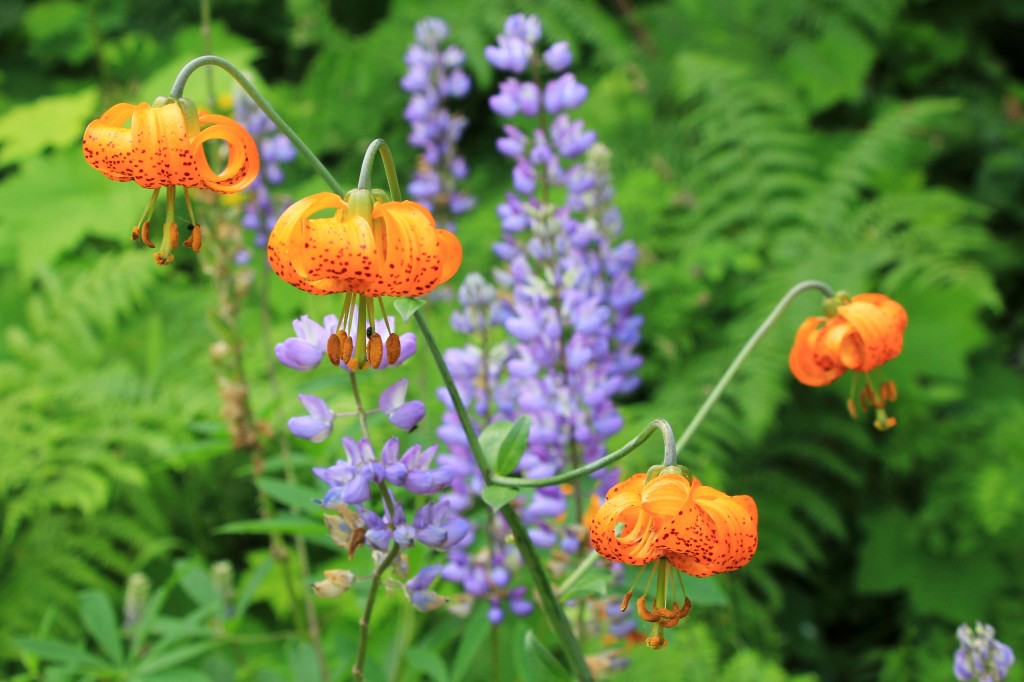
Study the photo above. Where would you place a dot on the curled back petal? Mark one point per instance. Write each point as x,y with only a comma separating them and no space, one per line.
107,144
451,254
621,510
243,162
286,237
803,362
879,321
665,495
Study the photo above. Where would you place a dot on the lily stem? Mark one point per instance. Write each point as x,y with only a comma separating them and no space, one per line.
210,60
366,170
549,602
758,334
657,425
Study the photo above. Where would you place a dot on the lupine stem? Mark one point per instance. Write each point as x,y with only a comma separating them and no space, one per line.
549,602
719,388
364,621
179,87
597,464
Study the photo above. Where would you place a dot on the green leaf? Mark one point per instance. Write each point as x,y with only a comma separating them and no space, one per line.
474,634
491,440
99,620
295,525
302,661
197,583
291,495
56,122
594,582
513,447
52,650
428,662
407,307
541,663
173,658
54,202
497,496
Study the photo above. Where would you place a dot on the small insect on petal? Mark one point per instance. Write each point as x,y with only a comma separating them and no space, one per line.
195,240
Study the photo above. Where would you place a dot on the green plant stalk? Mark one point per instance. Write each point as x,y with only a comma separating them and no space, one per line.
597,464
364,620
577,573
549,602
177,89
210,60
366,170
748,347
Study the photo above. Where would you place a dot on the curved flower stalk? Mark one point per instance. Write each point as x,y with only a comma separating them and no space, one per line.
369,248
435,78
668,518
163,147
860,334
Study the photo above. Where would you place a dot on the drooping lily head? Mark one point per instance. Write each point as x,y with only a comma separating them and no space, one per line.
366,249
162,146
860,334
669,518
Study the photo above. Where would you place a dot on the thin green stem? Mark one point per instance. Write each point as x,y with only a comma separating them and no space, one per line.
363,425
719,388
179,87
574,577
366,171
364,620
549,602
597,464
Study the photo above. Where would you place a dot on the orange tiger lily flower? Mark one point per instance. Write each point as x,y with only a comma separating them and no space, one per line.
673,520
859,334
163,147
366,249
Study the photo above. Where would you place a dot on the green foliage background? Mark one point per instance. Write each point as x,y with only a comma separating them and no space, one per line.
878,145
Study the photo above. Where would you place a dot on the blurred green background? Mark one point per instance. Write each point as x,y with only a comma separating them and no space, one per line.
877,145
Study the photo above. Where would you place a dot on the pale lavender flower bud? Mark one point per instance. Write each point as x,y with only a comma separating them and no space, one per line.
404,415
528,96
317,425
558,57
565,92
431,31
306,349
510,54
506,101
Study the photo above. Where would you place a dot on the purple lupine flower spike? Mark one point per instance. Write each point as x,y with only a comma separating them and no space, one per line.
981,657
435,78
558,343
262,210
